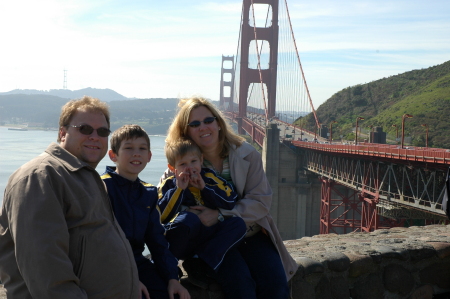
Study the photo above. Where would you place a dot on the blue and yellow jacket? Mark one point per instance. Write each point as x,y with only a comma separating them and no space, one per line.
218,193
135,207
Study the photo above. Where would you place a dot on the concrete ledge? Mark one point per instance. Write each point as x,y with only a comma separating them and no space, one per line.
396,263
399,263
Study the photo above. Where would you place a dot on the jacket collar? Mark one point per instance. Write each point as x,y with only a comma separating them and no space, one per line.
69,161
239,166
244,149
111,170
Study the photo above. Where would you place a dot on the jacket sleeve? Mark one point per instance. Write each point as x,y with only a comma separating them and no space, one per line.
170,198
156,242
256,194
218,193
40,234
168,173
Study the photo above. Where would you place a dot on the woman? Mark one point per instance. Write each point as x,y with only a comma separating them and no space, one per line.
260,266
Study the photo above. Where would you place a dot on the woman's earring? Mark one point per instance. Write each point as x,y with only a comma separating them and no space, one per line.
220,128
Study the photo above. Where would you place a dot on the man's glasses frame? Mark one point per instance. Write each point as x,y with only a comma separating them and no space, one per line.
88,130
197,123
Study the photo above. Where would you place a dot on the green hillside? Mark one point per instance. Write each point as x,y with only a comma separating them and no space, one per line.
155,115
425,94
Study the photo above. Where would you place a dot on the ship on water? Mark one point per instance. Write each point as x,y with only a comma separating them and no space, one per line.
18,129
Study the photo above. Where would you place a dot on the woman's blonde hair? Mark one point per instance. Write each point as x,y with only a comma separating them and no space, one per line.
179,127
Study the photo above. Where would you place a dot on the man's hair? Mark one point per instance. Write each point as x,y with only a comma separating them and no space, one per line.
127,132
86,103
179,148
179,127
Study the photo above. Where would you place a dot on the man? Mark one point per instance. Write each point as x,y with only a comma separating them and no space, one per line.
58,234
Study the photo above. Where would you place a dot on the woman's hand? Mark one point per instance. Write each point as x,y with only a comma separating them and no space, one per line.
175,287
143,290
207,216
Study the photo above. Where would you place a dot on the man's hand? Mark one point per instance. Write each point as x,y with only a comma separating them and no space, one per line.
196,180
207,216
182,179
143,290
175,287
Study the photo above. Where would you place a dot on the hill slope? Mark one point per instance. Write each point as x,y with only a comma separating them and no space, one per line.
103,94
425,94
155,115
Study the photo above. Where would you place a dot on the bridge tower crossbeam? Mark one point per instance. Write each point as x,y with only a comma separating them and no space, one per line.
264,76
226,99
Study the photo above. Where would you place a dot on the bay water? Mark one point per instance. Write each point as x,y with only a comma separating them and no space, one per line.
19,147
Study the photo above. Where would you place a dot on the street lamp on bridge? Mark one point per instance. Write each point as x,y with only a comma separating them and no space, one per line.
403,126
426,138
356,131
331,130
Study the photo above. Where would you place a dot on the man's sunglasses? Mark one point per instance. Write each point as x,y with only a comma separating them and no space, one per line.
197,123
87,130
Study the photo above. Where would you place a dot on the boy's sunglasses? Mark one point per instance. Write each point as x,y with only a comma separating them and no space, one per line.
197,123
87,130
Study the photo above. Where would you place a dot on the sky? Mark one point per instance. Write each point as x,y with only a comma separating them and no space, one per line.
174,48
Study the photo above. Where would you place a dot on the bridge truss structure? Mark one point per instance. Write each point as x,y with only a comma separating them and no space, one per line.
390,186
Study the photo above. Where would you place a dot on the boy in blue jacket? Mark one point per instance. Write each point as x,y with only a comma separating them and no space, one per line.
135,206
201,247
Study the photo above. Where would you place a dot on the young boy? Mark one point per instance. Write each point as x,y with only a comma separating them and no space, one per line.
202,248
135,206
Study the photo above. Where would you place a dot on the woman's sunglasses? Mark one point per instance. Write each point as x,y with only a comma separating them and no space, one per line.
197,123
87,130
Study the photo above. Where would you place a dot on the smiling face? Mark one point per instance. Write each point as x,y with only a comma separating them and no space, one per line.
132,157
190,163
88,148
206,136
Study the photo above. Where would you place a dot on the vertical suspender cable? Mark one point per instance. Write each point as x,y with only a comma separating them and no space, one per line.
259,65
301,69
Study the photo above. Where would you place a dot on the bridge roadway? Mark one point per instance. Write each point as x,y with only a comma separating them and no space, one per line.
403,183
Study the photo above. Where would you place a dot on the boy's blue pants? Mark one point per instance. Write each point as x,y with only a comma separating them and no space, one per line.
187,237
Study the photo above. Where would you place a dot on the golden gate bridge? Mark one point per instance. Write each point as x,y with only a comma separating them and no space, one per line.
264,83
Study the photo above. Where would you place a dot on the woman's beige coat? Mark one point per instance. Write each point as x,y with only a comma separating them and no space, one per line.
255,195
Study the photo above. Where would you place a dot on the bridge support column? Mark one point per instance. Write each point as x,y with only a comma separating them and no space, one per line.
271,157
340,208
241,130
370,218
265,76
226,99
325,202
295,194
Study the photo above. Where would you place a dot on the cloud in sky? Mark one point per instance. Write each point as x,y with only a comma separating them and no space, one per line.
165,49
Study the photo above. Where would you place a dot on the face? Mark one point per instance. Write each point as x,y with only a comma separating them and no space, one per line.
189,163
88,148
133,156
206,136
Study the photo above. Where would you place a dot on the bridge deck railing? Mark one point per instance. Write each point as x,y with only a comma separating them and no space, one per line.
418,154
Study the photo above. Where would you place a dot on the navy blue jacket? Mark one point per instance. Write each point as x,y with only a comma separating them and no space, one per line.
136,210
218,193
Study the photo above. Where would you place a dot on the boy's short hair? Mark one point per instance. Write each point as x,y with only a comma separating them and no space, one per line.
179,148
127,132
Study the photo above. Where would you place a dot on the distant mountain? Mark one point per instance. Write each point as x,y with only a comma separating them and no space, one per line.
42,110
106,95
424,93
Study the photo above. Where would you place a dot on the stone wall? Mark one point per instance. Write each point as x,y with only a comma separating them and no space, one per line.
396,263
391,263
